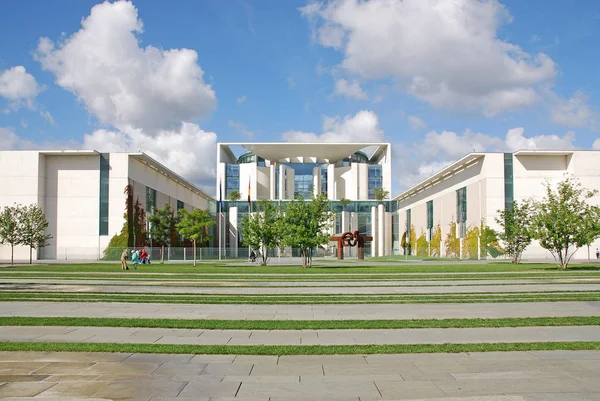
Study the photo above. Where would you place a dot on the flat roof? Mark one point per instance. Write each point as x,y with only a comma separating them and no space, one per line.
315,152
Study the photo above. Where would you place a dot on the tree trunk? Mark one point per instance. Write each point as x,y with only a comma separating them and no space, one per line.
30,250
194,253
162,254
12,254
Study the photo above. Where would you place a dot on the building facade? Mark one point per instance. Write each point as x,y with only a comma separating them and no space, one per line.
82,195
473,190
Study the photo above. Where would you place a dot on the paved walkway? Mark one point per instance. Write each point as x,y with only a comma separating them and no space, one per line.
511,376
241,290
298,337
301,312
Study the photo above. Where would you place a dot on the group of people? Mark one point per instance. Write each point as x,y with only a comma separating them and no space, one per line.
136,257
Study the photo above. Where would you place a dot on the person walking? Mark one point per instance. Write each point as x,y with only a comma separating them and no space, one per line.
144,256
124,260
135,258
597,254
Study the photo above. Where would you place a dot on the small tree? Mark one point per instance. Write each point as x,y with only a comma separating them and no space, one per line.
489,242
471,242
262,230
234,196
306,225
193,225
163,227
33,225
10,232
560,220
452,242
381,194
436,241
422,245
516,233
344,202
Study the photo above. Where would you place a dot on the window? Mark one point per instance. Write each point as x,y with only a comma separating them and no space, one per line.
508,181
375,179
180,205
104,169
408,224
150,200
461,212
430,219
232,179
324,179
277,182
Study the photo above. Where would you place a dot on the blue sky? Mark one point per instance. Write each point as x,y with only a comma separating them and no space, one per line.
436,78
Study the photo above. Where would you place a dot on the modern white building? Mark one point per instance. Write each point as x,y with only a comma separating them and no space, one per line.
82,195
475,187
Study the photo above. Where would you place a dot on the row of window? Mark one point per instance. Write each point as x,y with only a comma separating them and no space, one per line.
461,213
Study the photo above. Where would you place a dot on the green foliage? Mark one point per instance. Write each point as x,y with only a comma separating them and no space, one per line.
163,227
10,233
422,245
234,196
305,225
262,230
116,245
344,202
193,225
33,225
471,241
561,220
436,241
489,242
128,238
516,233
381,194
452,242
413,239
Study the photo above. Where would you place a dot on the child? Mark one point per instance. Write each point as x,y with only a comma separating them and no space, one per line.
135,258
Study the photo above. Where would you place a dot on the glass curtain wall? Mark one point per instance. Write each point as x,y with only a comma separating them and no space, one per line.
461,212
375,179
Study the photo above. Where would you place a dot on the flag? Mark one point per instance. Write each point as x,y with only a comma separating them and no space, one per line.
249,203
220,196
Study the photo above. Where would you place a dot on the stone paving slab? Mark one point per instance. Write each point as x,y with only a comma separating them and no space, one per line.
301,312
313,337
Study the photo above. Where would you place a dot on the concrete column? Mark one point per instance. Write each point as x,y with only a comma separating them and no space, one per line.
272,169
316,181
345,221
233,231
374,232
388,234
380,230
354,221
331,195
281,181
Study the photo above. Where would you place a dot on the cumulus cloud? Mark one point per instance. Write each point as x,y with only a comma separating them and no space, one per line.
361,127
596,144
349,89
18,86
241,128
241,99
9,140
122,83
416,123
574,112
444,52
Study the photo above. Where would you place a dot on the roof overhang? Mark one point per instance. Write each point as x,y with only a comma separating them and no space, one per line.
543,153
300,151
69,152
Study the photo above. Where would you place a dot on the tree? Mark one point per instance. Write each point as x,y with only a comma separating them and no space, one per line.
305,225
516,233
163,225
592,228
452,242
33,225
560,219
489,242
344,202
234,196
193,225
133,233
471,242
381,194
436,241
10,232
422,245
261,230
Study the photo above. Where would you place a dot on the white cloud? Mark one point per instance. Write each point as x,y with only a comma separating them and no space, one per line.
189,151
18,86
121,83
241,99
596,144
444,52
241,128
291,82
574,112
416,123
47,116
535,38
349,89
9,140
361,127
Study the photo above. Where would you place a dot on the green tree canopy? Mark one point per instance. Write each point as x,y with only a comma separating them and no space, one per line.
33,226
163,226
262,230
10,232
306,225
234,196
193,225
381,194
517,231
560,220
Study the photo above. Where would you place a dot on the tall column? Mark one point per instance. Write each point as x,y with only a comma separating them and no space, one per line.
381,230
316,181
354,221
281,181
374,232
233,231
345,221
272,169
331,195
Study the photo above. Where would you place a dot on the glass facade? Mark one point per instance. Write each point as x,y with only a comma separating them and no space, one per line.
508,181
324,179
150,200
277,182
408,224
232,179
180,205
303,178
104,169
251,158
375,179
461,212
430,219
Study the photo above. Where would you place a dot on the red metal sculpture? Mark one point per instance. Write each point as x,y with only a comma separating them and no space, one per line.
351,239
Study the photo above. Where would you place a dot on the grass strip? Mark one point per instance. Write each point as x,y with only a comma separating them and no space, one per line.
295,349
299,324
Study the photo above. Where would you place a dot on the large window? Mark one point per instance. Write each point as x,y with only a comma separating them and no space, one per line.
461,212
429,219
180,205
508,181
232,179
303,178
104,169
408,224
150,200
375,179
277,182
324,179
